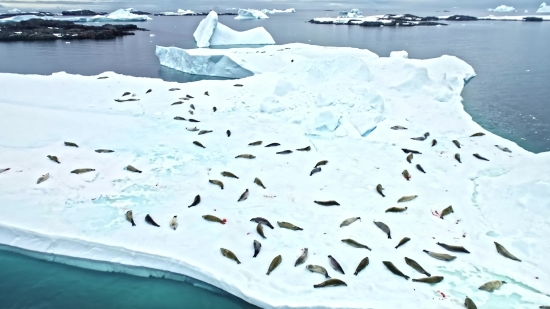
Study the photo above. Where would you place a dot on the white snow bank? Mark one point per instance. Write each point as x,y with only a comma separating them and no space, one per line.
327,103
251,14
210,32
502,9
275,11
544,8
244,62
122,15
180,12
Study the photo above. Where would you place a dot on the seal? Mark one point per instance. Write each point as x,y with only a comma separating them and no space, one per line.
43,178
335,264
410,157
402,242
229,174
228,133
327,203
126,93
480,157
179,118
71,144
406,174
150,220
446,211
426,134
355,244
302,258
469,303
198,144
206,93
379,189
364,263
174,89
405,150
130,217
431,280
419,167
317,269
204,132
54,159
132,169
421,138
4,170
412,263
256,143
477,134
259,182
103,77
456,143
284,152
127,100
177,103
308,148
192,106
276,261
193,120
214,109
457,157
104,151
434,142
174,223
398,128
216,182
290,226
349,221
244,196
453,248
148,91
321,163
273,145
237,85
245,156
505,253
396,209
330,282
260,230
196,201
230,255
384,228
491,285
262,221
389,265
82,170
440,256
505,149
544,307
194,129
213,219
315,171
257,247
407,198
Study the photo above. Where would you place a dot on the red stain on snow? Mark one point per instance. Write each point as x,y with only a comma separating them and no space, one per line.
224,220
442,294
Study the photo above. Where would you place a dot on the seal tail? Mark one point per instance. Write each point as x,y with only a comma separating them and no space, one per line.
271,226
300,229
315,286
414,280
355,273
133,223
327,276
427,274
407,277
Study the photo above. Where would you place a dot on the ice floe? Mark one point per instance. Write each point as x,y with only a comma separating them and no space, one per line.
251,14
342,105
544,8
502,9
179,12
210,32
275,11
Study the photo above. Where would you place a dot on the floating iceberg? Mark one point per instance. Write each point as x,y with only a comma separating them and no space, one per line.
544,8
121,15
14,11
250,14
351,13
210,32
502,9
275,11
180,12
342,106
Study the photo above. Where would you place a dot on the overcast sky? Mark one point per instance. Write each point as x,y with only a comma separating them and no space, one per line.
156,5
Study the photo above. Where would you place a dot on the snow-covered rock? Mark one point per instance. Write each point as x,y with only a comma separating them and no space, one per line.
180,12
275,11
210,32
342,106
121,15
544,8
502,9
251,14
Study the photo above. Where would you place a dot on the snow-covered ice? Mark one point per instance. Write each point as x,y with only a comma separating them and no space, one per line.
342,105
250,14
210,32
179,12
275,11
544,8
512,18
502,9
121,15
351,13
14,11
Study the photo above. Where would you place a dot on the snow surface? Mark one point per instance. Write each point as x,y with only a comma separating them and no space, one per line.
544,8
210,32
121,15
502,9
275,11
328,102
251,14
180,12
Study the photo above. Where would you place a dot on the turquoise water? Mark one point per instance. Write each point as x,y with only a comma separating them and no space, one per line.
28,282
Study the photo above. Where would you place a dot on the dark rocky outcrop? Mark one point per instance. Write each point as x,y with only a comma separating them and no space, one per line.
388,20
45,30
532,18
82,13
461,17
140,13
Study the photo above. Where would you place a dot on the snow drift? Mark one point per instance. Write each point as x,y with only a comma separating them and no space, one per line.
502,9
342,105
210,32
544,8
250,14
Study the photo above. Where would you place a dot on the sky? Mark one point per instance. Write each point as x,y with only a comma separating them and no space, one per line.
204,5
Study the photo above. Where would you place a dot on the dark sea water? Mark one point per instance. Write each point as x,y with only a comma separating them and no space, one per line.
509,96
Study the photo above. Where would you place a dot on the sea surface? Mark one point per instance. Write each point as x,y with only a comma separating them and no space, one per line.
509,96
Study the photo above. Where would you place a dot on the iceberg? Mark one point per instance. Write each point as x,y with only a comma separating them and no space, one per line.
544,8
351,13
14,11
343,106
121,15
180,12
502,9
275,11
250,14
210,32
